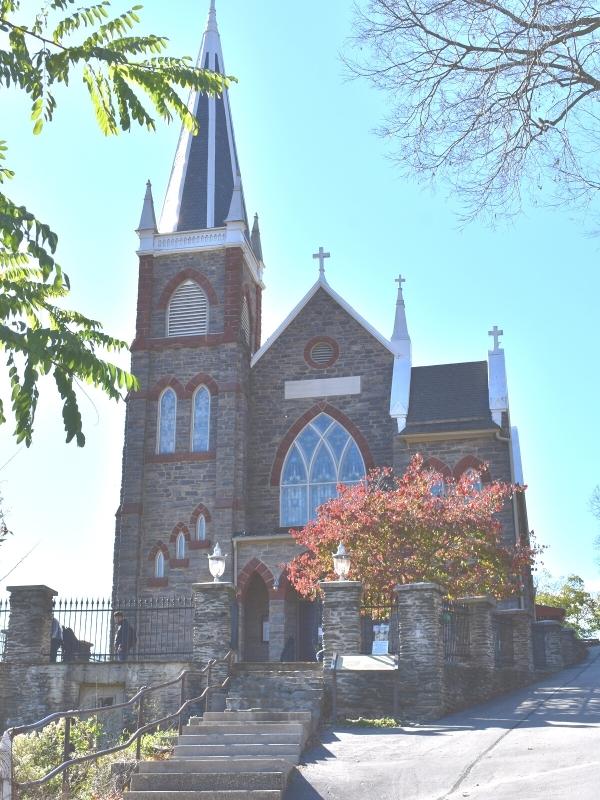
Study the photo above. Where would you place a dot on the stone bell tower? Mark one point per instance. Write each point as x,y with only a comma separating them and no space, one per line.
198,324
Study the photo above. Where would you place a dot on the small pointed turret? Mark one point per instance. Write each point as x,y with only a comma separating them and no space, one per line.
236,213
199,194
402,347
148,217
255,239
497,384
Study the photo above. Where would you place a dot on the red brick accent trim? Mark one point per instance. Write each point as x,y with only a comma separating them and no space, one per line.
201,379
128,508
162,547
170,380
438,466
157,583
179,562
255,565
472,462
200,509
144,300
180,528
312,412
184,275
312,342
196,545
171,458
234,262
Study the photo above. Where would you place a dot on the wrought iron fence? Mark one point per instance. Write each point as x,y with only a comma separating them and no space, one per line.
4,613
162,628
379,625
504,651
455,630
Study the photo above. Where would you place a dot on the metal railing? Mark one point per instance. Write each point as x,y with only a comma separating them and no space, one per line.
379,625
162,626
135,737
4,614
504,648
455,630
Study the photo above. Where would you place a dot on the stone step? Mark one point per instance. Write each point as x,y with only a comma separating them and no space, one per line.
191,781
288,751
249,736
234,726
253,716
222,764
222,794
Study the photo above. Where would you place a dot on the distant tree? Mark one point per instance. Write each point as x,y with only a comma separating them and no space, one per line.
493,95
582,609
401,529
130,81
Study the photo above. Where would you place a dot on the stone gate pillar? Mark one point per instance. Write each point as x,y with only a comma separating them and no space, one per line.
341,618
523,638
29,624
212,629
421,647
481,630
552,643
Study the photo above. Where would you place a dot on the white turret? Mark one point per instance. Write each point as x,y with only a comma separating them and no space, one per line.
402,348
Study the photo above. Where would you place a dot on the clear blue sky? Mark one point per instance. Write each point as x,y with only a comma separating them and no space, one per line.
317,175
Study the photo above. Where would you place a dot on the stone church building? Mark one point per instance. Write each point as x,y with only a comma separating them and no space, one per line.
234,440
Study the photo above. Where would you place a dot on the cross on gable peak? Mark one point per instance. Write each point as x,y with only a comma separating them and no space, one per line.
496,333
321,255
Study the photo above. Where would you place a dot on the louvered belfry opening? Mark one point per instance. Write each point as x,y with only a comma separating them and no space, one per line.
188,311
245,321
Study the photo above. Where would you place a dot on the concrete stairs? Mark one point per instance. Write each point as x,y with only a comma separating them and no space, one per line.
227,755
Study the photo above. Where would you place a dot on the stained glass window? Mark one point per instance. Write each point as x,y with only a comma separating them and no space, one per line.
201,421
180,546
159,565
167,413
322,455
475,477
201,528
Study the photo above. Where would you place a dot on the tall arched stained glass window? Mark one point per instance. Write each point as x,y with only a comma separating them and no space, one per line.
159,565
167,414
322,455
201,420
180,546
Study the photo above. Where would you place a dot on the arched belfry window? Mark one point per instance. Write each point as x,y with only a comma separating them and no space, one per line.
187,314
167,417
245,320
475,477
201,420
322,455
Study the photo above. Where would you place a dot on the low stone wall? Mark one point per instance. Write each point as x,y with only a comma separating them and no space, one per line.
466,685
29,693
367,693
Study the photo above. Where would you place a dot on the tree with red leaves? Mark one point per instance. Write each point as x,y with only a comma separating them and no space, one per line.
402,530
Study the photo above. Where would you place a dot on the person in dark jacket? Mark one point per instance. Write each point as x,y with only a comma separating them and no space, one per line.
124,636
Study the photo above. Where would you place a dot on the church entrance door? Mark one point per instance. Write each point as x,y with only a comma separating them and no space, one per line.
256,620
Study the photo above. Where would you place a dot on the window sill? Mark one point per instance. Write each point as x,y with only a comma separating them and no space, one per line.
167,458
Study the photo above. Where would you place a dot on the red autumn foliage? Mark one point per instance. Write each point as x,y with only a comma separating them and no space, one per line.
398,531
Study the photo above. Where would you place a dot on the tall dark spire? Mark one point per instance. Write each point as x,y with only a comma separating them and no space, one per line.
205,166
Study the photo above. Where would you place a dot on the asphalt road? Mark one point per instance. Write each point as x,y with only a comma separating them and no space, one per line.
540,743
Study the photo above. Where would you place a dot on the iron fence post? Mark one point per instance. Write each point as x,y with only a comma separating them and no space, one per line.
334,689
66,757
140,722
208,682
181,702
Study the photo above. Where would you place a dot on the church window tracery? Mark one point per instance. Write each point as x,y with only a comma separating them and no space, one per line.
201,420
167,421
322,455
187,313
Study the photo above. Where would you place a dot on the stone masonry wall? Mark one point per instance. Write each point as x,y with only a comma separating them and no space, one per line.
271,417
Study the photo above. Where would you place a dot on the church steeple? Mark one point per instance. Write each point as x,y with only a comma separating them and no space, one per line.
202,179
401,345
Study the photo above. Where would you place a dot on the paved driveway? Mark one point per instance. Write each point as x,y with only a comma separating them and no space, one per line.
541,743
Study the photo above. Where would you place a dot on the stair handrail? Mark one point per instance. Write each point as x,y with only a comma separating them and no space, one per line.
136,736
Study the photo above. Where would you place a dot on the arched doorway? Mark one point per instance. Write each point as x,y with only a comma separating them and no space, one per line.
301,629
256,620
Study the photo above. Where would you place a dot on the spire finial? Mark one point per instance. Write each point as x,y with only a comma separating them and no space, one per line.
496,333
212,17
321,255
400,280
148,218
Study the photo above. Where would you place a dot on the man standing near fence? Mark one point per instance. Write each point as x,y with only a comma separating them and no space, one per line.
124,636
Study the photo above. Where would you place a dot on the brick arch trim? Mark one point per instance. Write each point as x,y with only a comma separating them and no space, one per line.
200,509
180,528
169,381
255,565
159,547
472,462
180,277
438,466
201,379
301,422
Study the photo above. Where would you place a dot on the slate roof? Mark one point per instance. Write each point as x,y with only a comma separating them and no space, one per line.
449,397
